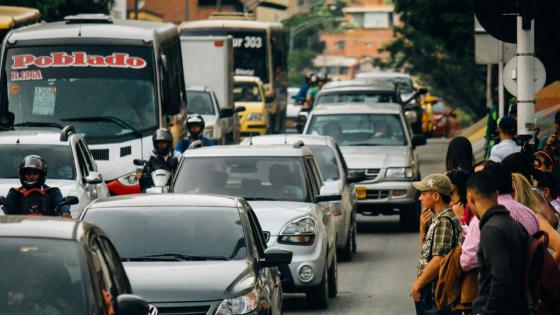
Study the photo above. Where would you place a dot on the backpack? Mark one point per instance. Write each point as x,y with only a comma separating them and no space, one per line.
542,278
36,201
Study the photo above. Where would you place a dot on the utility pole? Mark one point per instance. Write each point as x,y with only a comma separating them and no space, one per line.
136,9
186,11
525,77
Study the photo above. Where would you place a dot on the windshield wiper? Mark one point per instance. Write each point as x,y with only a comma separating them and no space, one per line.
259,198
38,124
173,257
114,120
361,144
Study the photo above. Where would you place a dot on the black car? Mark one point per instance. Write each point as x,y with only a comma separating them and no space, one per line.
56,266
194,254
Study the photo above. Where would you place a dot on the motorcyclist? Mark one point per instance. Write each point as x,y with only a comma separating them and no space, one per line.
194,126
33,197
162,157
318,80
302,93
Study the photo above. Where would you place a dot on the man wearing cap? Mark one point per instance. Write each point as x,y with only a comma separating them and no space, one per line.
507,127
444,233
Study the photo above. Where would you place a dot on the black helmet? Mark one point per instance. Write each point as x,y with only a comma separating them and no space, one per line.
33,162
193,120
160,135
322,76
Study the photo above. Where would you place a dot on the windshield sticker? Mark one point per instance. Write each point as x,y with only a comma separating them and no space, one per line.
43,101
78,59
26,75
14,89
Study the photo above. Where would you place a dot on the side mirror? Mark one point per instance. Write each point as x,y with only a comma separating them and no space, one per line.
7,120
269,99
356,178
327,198
266,236
301,121
275,257
422,91
239,109
68,201
411,116
93,178
130,304
226,112
2,200
138,162
418,139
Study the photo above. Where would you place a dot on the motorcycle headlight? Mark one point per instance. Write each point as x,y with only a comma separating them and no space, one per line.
128,180
254,116
398,173
298,232
239,305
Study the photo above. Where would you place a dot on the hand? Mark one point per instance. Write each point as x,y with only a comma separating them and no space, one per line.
425,218
67,215
415,293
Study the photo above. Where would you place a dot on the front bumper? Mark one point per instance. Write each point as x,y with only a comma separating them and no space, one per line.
311,255
384,197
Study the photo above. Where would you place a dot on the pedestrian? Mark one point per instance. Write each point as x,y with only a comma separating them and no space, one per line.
519,162
544,139
549,187
518,212
507,127
459,178
459,155
544,162
443,233
502,251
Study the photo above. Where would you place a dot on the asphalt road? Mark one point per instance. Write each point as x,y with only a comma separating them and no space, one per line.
379,278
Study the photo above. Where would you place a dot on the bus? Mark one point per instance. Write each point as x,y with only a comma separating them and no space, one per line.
259,49
116,82
13,17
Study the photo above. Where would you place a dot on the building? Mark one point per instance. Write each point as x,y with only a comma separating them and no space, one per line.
371,27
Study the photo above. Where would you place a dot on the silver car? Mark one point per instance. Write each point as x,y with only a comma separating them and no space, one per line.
203,101
377,143
71,167
282,184
335,181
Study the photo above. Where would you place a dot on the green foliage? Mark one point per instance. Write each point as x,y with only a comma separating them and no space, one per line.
54,10
299,60
436,43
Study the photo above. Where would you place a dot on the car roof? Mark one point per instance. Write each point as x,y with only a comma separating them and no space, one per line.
291,139
117,29
41,227
154,200
26,135
383,75
355,108
248,150
355,85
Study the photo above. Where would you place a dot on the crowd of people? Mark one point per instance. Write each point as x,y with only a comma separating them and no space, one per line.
489,232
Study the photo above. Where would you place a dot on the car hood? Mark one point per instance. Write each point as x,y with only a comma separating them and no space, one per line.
376,156
195,281
274,215
252,107
64,185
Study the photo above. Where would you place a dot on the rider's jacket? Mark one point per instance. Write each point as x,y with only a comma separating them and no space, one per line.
36,201
184,143
157,162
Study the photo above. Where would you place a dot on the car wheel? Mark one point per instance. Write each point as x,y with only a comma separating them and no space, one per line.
355,237
318,297
346,252
333,278
409,220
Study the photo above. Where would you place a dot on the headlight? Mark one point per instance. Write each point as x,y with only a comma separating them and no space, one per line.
411,116
399,172
298,232
128,179
239,305
254,116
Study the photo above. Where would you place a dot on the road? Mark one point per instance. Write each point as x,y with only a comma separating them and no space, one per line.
379,278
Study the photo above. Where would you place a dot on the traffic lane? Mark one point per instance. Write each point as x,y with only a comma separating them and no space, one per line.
379,277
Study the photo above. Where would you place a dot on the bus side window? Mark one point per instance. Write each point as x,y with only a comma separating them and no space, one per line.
172,78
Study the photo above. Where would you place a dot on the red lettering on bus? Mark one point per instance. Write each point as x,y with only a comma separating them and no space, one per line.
22,61
43,61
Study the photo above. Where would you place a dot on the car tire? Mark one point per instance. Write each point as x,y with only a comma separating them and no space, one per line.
318,297
409,220
333,278
350,247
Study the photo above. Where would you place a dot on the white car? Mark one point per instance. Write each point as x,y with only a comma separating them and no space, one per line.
282,184
70,166
293,108
335,181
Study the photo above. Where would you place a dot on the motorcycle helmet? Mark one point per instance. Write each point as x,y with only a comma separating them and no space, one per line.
35,163
162,135
195,119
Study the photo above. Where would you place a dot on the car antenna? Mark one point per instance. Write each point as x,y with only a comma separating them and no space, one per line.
285,138
250,138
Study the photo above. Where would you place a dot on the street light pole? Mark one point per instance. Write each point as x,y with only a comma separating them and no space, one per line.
295,30
525,77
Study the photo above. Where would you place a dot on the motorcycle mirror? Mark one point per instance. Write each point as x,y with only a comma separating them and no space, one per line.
195,145
138,162
2,200
70,200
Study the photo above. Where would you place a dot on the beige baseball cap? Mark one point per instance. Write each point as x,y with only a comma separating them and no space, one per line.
435,182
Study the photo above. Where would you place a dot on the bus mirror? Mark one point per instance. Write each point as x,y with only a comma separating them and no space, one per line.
269,99
164,63
7,120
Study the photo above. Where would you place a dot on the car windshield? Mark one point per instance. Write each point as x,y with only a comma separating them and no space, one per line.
202,233
360,129
356,97
250,177
326,159
246,92
62,84
42,276
59,160
200,102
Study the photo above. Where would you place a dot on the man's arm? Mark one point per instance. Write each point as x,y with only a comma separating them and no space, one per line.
468,259
179,148
10,202
493,245
429,273
57,198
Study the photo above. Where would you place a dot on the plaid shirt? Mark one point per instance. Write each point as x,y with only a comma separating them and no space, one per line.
444,233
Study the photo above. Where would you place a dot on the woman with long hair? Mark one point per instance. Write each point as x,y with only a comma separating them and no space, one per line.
524,194
459,155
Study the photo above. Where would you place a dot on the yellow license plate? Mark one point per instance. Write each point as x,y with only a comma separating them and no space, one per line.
361,192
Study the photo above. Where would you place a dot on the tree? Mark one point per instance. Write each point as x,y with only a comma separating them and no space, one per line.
436,43
55,10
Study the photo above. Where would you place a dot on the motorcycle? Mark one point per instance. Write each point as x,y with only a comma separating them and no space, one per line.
35,208
160,177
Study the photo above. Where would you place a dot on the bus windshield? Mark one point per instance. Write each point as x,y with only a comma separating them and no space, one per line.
249,50
106,92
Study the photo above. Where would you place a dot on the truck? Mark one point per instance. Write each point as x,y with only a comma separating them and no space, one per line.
208,62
